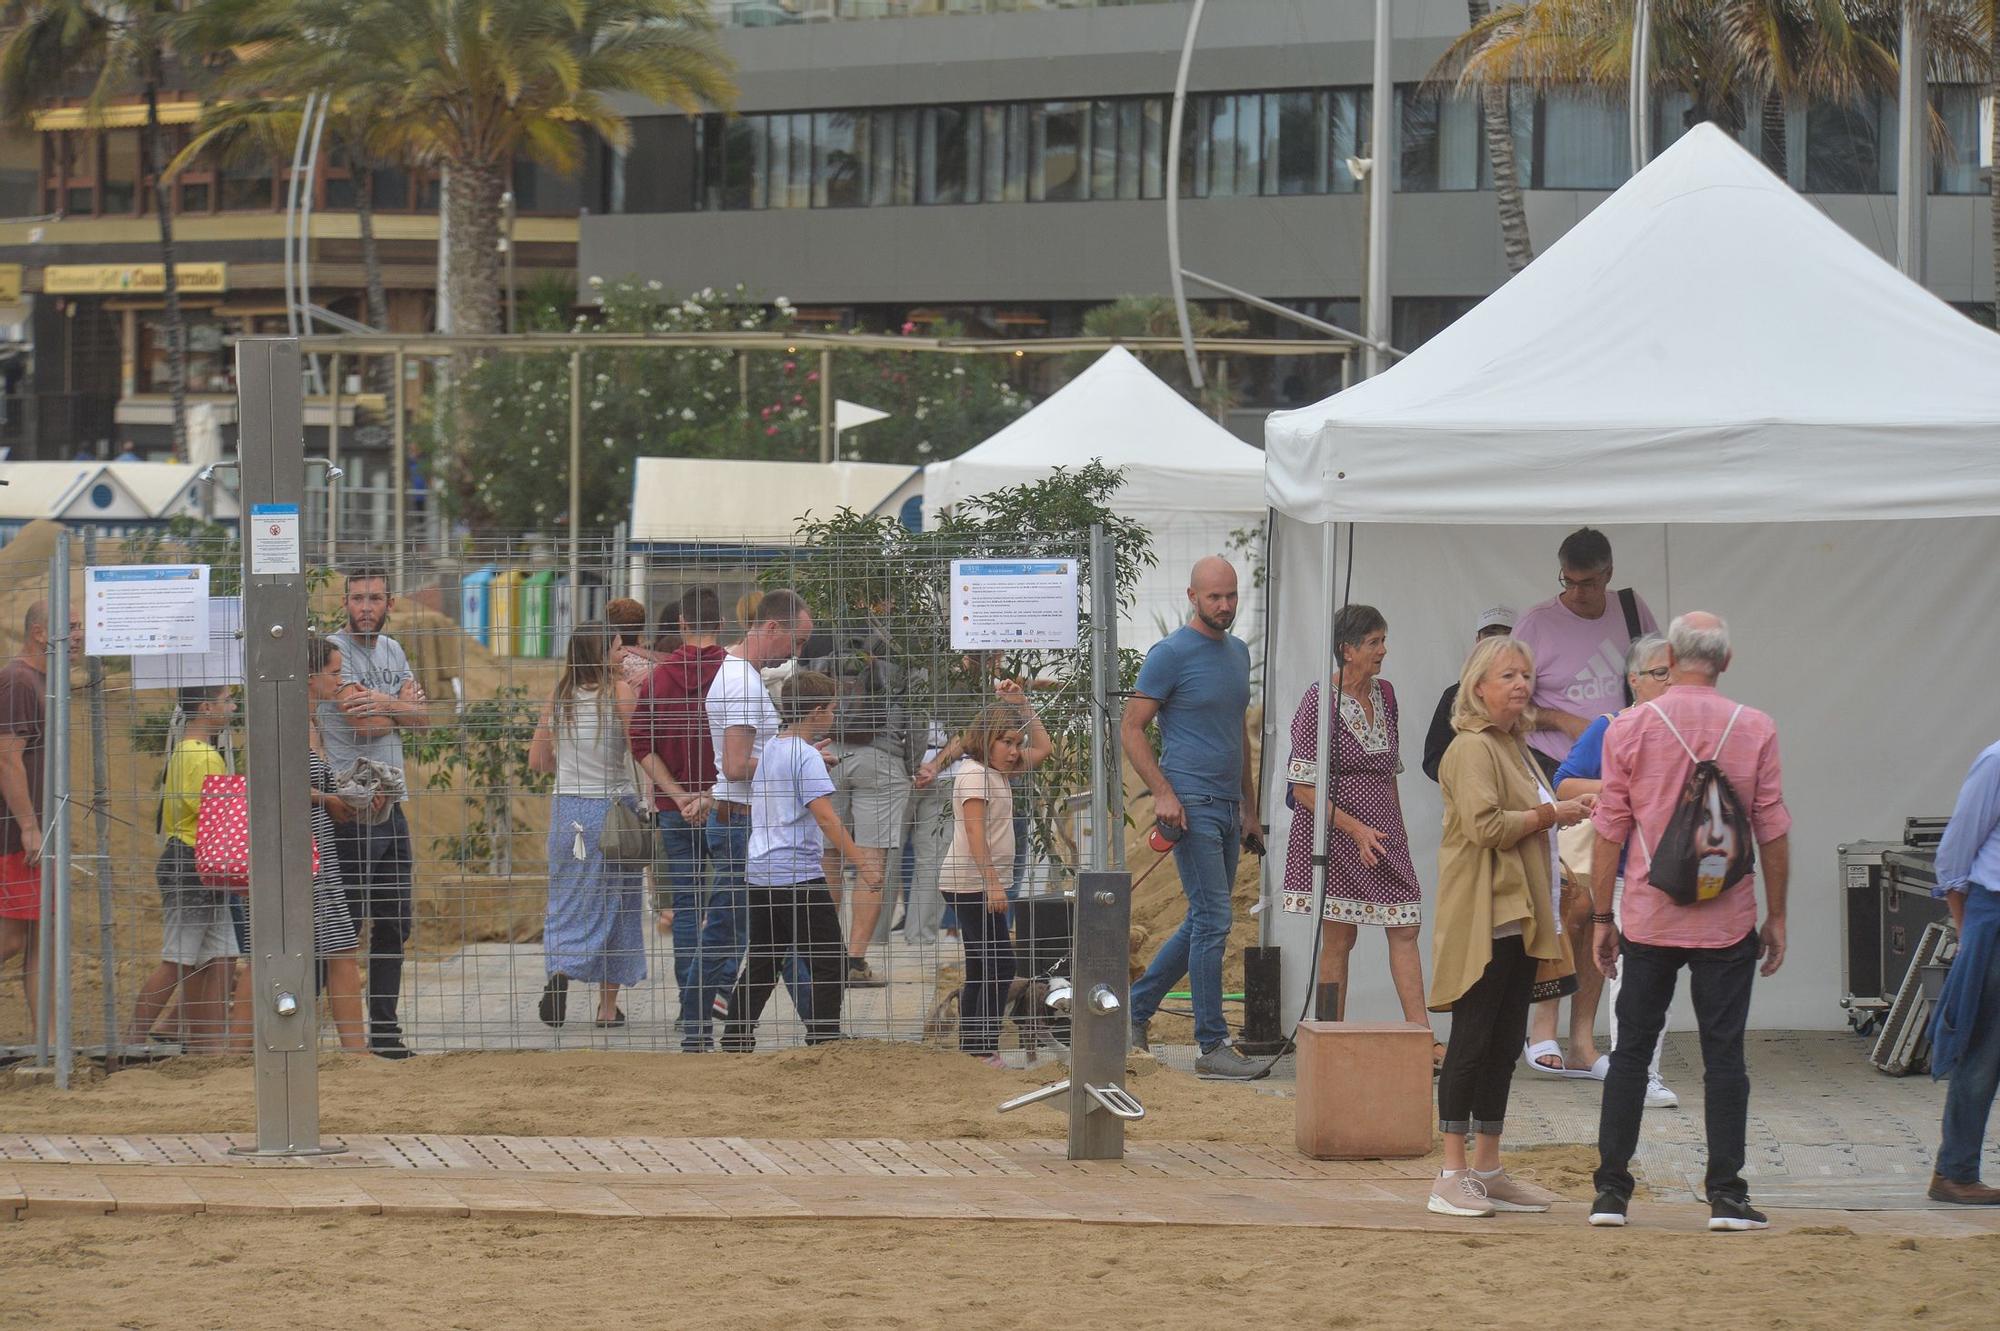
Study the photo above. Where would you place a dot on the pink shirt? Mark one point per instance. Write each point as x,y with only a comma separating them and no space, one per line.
1579,663
1644,769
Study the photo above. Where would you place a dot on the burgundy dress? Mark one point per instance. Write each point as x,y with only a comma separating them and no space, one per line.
1367,766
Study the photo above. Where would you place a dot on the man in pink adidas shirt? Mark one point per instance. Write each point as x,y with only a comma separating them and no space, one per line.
1579,640
1649,753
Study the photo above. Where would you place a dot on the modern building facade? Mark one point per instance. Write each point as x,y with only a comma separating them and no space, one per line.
1003,163
82,350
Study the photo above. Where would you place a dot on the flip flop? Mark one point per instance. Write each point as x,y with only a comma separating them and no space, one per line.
1545,1049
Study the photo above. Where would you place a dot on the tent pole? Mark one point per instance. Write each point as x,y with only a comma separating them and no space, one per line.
1329,533
1266,726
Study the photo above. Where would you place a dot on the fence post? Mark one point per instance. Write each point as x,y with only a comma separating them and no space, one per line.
271,450
826,431
55,821
333,460
575,488
1100,970
399,484
100,762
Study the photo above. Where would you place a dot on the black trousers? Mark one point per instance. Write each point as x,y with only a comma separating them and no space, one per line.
783,920
375,866
1720,979
1488,1023
989,969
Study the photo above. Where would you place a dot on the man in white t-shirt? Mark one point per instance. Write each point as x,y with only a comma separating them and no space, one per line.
741,719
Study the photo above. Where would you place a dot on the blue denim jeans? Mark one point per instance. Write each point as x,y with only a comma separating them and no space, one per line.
1205,858
725,926
1969,1101
683,872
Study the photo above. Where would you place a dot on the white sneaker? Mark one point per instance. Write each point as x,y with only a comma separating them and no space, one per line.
1659,1095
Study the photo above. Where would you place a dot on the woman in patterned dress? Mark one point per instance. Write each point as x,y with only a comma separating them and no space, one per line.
1369,877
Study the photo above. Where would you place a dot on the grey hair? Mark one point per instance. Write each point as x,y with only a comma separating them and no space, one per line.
1352,624
1700,646
1643,649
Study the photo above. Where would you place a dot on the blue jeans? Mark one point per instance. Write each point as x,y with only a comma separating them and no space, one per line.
1969,1101
683,867
725,926
1205,858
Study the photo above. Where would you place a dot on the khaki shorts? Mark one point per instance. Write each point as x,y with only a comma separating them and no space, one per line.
871,795
195,925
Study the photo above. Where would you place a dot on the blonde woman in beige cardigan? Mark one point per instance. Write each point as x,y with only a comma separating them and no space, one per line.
1495,920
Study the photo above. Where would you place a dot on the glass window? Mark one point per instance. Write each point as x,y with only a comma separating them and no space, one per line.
1221,140
1017,153
1348,122
1153,148
993,123
1194,148
1955,165
656,174
743,163
245,188
760,160
1249,108
1852,149
1131,151
195,198
1581,143
1104,150
1438,145
838,168
1060,131
121,171
1300,158
941,155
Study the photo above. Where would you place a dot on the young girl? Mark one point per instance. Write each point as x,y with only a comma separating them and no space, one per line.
197,939
595,927
791,910
1007,738
334,937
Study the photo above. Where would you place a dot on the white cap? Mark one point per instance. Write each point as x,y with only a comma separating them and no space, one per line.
1499,616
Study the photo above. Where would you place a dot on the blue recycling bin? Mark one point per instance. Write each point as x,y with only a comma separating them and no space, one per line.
475,605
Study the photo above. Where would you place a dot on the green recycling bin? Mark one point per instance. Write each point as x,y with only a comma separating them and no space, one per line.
538,618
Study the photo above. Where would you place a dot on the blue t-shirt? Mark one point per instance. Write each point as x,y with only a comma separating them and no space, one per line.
1203,687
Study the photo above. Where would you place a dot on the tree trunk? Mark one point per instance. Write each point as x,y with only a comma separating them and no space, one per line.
176,326
472,267
1773,138
1497,118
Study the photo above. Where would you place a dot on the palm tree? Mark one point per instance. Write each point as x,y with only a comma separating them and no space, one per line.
122,46
1728,57
472,85
1496,117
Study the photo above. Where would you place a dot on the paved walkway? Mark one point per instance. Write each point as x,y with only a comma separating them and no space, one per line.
737,1178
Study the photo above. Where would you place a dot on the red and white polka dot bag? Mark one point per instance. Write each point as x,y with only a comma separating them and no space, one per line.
222,836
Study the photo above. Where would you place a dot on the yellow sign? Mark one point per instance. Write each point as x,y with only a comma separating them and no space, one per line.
10,283
100,279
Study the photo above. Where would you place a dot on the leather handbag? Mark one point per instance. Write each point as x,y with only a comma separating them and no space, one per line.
627,838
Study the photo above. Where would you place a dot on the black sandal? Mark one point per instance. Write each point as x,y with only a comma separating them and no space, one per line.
554,1008
614,1023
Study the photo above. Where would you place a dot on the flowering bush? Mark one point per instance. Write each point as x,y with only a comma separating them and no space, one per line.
512,470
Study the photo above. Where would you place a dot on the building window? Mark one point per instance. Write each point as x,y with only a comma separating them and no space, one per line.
1955,165
1580,142
1851,149
1438,144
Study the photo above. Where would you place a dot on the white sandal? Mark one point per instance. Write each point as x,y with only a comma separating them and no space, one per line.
1546,1049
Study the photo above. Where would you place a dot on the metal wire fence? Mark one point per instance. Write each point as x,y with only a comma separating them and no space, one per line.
446,924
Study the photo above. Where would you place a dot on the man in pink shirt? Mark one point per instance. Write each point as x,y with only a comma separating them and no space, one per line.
1579,639
1645,767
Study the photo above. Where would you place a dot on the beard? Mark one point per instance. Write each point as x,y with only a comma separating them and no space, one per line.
377,631
1220,623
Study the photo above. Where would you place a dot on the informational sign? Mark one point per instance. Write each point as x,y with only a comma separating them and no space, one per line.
1013,603
274,538
10,283
145,609
119,279
222,663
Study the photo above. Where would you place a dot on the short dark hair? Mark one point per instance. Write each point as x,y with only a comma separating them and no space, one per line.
1351,625
1586,550
701,611
365,573
192,696
804,694
783,605
320,652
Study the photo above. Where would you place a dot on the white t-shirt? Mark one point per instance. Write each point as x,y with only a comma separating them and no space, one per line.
737,697
785,840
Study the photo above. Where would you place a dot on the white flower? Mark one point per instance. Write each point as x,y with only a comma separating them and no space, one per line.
782,303
653,286
687,413
607,441
958,370
924,448
596,281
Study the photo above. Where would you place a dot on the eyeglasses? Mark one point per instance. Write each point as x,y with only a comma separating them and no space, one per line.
1658,674
1597,583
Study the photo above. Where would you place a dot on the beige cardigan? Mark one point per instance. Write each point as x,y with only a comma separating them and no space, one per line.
1493,864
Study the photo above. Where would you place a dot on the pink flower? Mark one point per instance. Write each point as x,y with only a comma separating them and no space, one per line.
908,328
766,413
798,397
813,378
791,365
770,430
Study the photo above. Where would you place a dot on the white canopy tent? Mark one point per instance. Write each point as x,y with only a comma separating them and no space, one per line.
1767,420
1189,481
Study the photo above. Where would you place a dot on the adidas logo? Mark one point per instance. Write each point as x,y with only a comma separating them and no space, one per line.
1600,677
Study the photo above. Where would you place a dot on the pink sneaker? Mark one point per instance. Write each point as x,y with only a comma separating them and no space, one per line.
1511,1194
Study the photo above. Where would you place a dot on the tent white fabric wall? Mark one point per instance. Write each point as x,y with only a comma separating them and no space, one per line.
1768,422
1189,481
